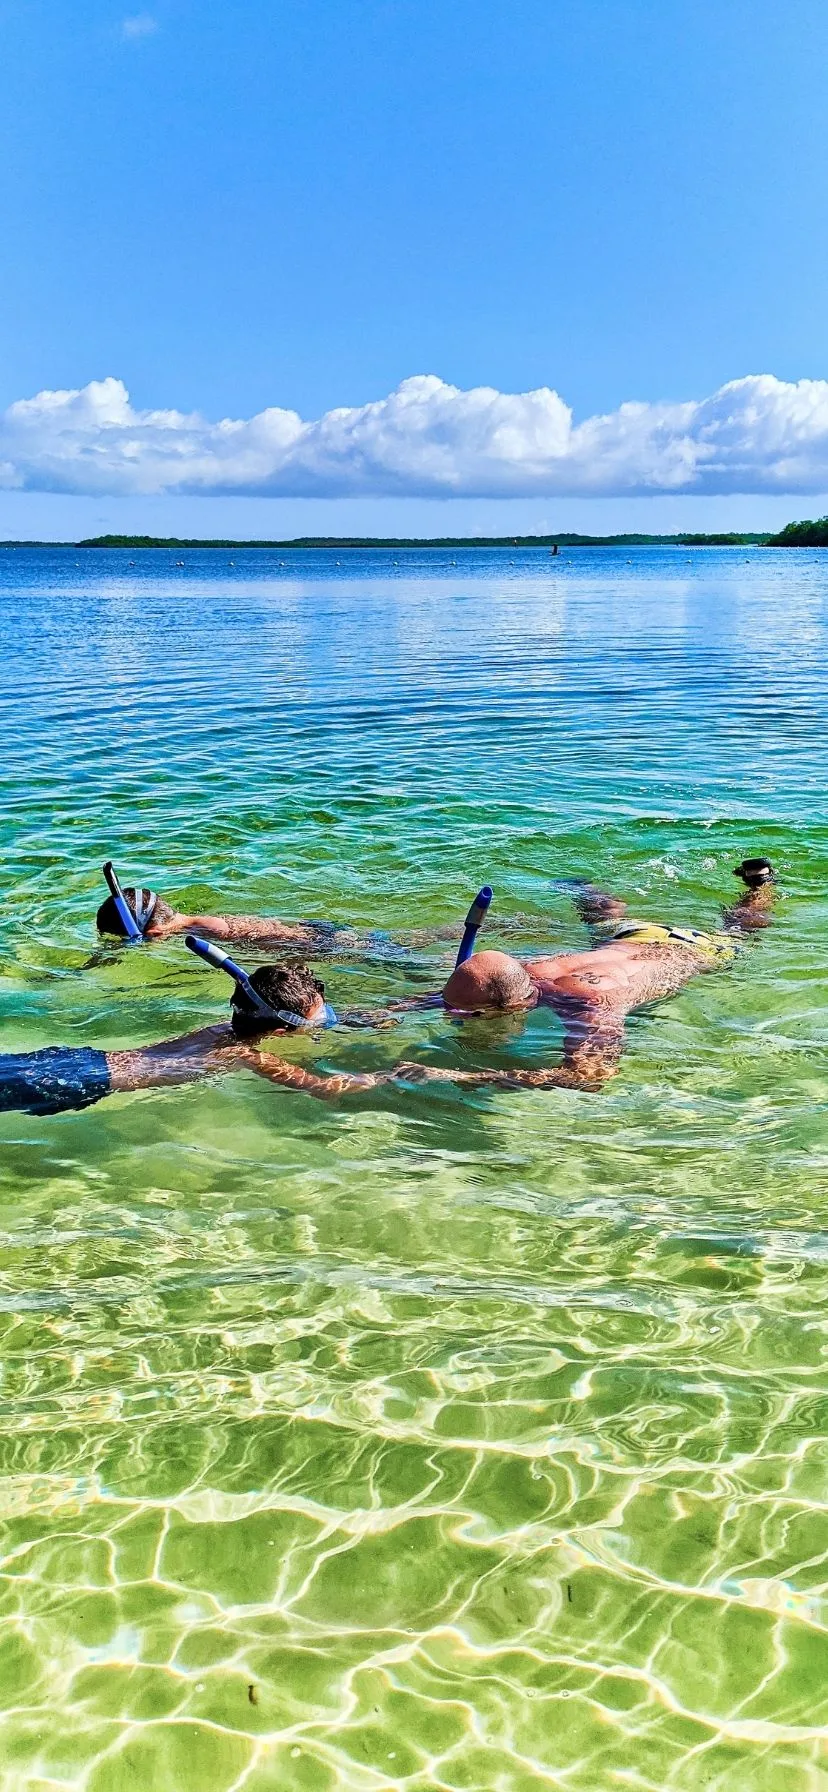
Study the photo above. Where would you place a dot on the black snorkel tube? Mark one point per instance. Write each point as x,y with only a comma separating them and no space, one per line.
474,921
221,961
134,925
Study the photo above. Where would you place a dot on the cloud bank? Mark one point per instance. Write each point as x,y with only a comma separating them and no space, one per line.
425,440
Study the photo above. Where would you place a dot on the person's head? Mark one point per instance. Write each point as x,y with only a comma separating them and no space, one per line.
292,987
139,902
754,872
489,980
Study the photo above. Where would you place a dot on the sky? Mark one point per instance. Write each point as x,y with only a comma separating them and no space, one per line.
402,266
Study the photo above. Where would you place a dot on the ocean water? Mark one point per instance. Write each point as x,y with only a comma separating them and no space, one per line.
433,1440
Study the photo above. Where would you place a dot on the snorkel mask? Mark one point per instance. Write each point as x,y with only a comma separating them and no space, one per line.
754,871
282,1017
134,923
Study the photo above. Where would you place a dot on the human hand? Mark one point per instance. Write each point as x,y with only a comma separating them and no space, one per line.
376,1019
420,1073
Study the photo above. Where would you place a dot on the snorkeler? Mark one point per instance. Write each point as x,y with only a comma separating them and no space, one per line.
275,999
136,914
594,991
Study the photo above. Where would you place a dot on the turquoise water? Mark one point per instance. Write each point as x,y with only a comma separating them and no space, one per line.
434,1440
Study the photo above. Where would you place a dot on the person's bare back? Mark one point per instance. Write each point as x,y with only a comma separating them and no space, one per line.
594,991
617,977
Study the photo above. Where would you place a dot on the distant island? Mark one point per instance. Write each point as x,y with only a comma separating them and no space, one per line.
802,535
441,541
795,535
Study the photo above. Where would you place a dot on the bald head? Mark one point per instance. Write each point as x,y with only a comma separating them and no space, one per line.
489,980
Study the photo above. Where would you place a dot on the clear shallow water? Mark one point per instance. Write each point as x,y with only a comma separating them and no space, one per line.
482,1436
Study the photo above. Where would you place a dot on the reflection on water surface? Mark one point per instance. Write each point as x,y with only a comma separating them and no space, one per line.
452,1441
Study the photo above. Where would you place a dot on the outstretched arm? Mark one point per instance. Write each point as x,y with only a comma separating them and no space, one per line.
309,1082
592,1047
262,929
391,1014
215,1050
184,1060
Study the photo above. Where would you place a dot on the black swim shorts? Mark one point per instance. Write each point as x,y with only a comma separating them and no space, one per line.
52,1080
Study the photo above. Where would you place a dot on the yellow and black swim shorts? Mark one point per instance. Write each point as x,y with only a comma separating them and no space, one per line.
719,949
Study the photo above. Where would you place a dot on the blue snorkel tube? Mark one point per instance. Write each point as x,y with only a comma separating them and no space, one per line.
221,961
474,921
125,915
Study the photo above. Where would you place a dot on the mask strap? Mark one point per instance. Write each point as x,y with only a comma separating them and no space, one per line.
146,903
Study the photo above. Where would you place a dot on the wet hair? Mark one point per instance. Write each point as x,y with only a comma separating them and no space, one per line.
290,986
754,871
108,919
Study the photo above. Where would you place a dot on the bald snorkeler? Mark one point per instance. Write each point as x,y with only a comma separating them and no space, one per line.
592,992
632,964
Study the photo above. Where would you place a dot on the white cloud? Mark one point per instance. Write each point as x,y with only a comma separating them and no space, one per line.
427,439
142,24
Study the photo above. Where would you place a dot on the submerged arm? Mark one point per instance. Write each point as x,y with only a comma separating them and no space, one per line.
593,1043
246,927
597,908
309,1082
391,1014
183,1060
216,1050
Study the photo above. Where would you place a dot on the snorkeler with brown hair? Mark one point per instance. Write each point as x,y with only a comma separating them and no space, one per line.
272,1001
592,992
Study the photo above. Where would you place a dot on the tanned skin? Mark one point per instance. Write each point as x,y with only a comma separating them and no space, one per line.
593,991
216,1050
258,929
269,931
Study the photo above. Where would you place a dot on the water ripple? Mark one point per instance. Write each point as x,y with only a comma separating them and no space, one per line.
456,1443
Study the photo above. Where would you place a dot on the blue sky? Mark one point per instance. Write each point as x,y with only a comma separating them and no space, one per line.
299,204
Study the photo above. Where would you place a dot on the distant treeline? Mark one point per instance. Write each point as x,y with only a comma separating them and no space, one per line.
442,541
802,535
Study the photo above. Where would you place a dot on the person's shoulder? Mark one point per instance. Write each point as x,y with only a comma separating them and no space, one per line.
217,1037
556,964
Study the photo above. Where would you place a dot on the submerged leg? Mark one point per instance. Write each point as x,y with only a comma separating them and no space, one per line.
596,907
